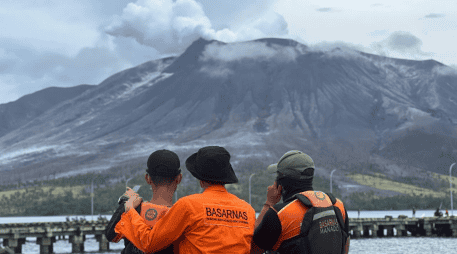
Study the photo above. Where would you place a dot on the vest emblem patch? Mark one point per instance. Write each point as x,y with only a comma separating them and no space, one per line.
319,195
150,214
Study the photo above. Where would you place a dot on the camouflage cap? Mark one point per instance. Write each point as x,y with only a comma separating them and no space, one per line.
293,164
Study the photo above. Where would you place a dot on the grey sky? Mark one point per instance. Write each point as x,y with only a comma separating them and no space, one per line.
434,15
324,9
70,42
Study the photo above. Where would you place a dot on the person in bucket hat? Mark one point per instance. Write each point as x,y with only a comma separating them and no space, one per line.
163,175
214,221
307,221
211,164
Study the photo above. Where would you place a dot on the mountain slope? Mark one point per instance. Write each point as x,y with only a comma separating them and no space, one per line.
17,113
258,98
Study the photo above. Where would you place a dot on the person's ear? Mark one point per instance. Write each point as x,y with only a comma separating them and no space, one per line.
179,178
147,178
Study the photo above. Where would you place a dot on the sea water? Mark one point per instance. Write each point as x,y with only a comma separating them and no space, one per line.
387,245
422,245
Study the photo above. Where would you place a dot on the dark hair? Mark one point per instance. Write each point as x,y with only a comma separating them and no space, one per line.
162,180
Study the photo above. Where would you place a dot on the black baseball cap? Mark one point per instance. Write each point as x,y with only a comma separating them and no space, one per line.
163,163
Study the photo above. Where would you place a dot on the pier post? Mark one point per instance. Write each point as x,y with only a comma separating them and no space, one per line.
390,231
401,230
366,231
357,231
453,228
14,244
374,230
46,244
428,228
380,231
103,243
77,243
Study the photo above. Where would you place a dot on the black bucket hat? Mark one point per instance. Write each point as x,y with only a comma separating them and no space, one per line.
212,163
163,163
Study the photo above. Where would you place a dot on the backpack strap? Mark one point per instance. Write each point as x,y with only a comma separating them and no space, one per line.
339,216
304,200
307,221
332,198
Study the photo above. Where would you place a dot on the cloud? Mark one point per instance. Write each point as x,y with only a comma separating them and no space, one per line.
339,49
58,26
133,52
400,44
8,60
218,71
170,26
324,9
445,70
377,33
329,46
403,41
91,64
29,70
165,25
248,50
434,15
272,24
9,89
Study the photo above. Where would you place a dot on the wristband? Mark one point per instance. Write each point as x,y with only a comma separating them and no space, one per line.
270,206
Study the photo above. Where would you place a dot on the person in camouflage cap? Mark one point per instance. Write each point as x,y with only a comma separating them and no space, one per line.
307,221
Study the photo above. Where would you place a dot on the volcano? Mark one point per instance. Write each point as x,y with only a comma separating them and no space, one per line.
257,98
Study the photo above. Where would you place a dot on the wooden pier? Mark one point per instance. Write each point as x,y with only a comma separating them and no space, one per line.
14,235
403,227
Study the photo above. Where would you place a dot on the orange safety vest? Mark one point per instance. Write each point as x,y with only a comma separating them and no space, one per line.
313,221
214,221
151,213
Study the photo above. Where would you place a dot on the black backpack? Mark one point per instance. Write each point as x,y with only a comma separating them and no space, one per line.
322,231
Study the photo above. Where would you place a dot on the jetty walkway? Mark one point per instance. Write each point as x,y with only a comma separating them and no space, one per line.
403,227
14,234
46,233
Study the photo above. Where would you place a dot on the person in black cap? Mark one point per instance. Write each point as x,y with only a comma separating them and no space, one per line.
214,221
163,175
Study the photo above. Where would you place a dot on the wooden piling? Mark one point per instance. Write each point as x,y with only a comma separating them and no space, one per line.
404,227
46,244
374,229
77,243
103,243
14,234
15,243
